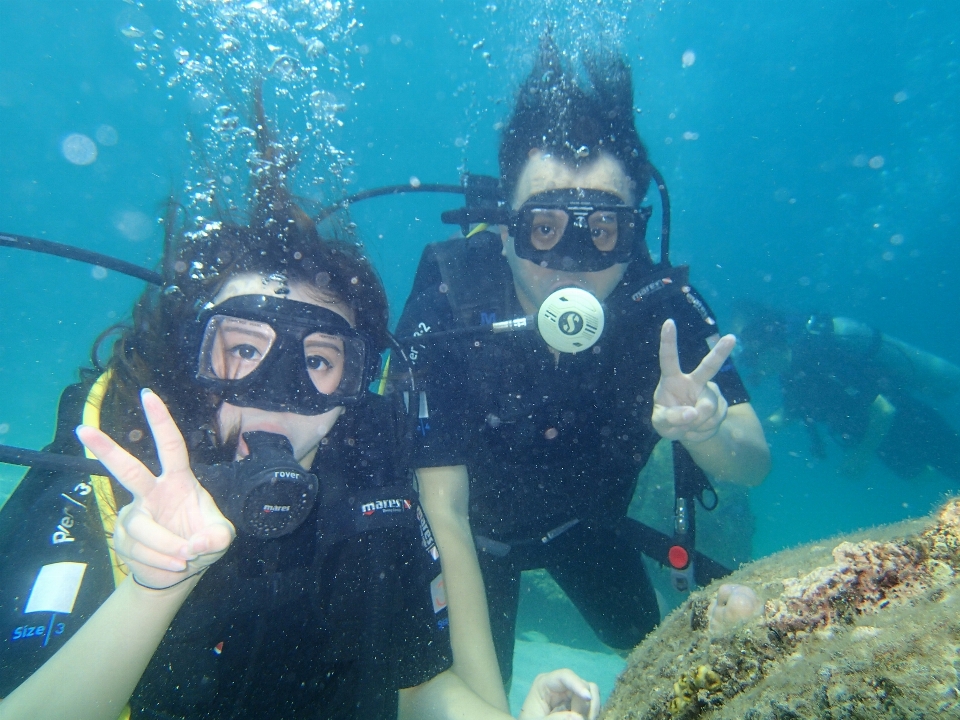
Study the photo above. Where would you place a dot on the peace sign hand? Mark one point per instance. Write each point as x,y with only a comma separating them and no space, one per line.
173,529
689,407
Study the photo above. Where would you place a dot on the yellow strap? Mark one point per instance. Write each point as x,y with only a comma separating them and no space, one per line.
382,385
102,489
479,228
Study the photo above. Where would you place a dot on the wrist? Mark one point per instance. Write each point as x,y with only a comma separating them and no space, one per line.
184,584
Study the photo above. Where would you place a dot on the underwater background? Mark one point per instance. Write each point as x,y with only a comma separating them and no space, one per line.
812,152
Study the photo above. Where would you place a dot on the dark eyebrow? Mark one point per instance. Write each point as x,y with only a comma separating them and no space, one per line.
310,343
245,330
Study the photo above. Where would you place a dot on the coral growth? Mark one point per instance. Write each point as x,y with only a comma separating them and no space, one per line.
873,630
694,688
733,606
865,577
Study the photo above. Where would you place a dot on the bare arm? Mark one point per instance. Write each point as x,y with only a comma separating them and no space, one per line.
117,641
726,442
444,494
738,453
168,535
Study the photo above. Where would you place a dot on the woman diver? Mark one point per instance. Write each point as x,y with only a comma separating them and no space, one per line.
268,558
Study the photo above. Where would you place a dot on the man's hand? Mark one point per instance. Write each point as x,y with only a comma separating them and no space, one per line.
173,529
561,695
689,407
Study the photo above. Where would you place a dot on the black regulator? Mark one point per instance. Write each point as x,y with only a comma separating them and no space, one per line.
267,494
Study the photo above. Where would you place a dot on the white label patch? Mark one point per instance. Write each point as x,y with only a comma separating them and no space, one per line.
438,593
56,587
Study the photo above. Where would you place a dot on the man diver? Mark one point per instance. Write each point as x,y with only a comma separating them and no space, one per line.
872,392
532,452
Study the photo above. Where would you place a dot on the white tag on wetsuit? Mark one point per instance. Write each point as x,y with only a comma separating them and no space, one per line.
56,587
438,593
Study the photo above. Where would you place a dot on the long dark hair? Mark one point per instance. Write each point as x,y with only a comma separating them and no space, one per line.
154,350
554,113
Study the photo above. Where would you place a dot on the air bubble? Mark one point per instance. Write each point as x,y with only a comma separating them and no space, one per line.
107,135
228,43
325,105
79,149
551,433
132,32
133,225
414,181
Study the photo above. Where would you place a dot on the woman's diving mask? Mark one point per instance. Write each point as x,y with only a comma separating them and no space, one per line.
283,355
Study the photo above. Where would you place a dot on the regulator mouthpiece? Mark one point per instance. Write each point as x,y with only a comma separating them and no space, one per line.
570,320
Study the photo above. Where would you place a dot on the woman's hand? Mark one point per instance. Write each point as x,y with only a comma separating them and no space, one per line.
561,695
689,407
173,529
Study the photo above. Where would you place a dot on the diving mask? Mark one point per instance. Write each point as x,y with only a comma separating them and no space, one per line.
283,355
578,230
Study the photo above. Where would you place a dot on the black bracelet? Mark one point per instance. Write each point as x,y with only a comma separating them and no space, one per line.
178,582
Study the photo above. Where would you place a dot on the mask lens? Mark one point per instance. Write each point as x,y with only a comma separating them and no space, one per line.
604,229
547,227
326,361
233,348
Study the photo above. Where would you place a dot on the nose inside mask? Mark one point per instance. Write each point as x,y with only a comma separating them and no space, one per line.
570,320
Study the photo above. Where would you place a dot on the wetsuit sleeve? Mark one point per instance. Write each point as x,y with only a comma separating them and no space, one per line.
54,565
697,329
435,404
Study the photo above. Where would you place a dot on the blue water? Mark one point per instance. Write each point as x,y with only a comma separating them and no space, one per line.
802,139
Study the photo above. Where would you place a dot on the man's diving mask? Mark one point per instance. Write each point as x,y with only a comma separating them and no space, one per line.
283,355
578,230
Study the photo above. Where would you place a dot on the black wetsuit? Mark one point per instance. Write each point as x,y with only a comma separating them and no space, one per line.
835,379
300,626
553,448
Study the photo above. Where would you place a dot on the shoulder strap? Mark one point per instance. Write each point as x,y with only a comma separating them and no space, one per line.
478,290
102,487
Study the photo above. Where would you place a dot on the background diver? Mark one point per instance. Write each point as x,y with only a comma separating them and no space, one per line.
870,390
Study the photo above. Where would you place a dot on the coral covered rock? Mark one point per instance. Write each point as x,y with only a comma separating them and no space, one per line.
865,627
